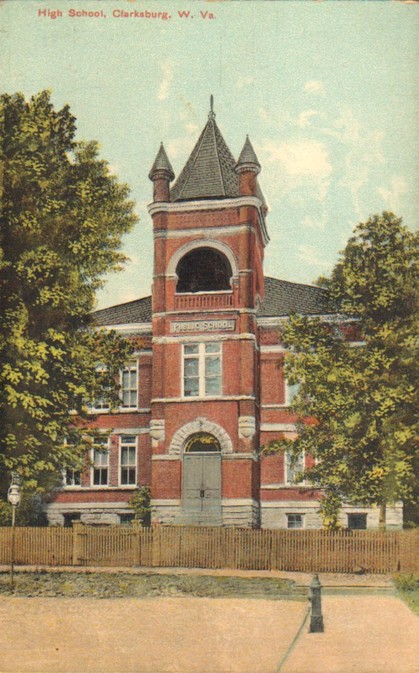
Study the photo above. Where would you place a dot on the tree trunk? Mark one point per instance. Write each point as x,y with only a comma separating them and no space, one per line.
382,517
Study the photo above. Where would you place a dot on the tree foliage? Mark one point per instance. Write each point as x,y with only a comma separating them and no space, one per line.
140,503
62,216
357,405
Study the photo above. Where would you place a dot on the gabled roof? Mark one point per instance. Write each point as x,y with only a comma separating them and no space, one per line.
281,299
209,172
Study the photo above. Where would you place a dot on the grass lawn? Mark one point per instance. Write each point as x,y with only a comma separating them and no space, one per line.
147,585
408,589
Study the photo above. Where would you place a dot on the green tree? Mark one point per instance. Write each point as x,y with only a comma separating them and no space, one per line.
356,406
62,216
140,504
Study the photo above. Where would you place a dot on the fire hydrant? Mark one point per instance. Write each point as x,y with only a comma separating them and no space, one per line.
316,621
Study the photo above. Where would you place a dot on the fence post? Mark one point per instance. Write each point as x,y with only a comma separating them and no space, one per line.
408,540
136,542
156,546
77,542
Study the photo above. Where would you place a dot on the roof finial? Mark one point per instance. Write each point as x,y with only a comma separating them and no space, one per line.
212,113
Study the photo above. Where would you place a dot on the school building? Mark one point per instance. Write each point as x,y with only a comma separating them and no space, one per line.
205,388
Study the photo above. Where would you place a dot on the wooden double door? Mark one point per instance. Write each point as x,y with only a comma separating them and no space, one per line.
201,501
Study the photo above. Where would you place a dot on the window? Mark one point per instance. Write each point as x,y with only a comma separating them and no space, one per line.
201,370
295,520
129,386
100,470
291,390
69,517
293,468
202,442
357,521
126,519
128,461
101,403
71,477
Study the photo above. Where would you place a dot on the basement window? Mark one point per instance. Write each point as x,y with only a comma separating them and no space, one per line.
357,521
295,520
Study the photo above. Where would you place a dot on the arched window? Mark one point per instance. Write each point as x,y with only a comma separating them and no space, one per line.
203,270
202,442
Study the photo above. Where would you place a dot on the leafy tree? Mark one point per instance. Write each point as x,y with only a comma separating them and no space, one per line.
62,216
356,405
29,513
140,503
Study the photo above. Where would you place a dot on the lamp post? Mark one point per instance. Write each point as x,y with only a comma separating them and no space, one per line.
13,496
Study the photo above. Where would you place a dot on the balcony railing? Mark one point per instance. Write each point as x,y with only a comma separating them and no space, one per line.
200,301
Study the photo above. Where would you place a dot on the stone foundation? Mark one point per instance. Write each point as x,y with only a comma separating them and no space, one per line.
241,513
274,514
92,513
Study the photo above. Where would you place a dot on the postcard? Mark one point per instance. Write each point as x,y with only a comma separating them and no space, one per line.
305,112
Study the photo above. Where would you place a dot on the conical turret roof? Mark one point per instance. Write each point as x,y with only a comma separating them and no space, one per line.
161,163
209,172
248,154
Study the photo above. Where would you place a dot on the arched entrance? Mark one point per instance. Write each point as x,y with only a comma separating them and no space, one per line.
201,491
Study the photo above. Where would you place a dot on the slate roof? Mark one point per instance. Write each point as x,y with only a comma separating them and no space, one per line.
162,163
281,299
248,154
135,311
209,171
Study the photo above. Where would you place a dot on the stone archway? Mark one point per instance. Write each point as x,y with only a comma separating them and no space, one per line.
177,445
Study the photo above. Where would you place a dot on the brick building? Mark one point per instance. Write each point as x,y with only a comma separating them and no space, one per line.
205,389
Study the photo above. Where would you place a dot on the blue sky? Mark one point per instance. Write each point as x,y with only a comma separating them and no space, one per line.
326,92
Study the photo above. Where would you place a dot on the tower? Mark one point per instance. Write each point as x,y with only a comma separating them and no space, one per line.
209,238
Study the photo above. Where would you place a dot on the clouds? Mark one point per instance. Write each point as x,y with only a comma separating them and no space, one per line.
304,119
305,158
301,165
312,257
167,77
245,81
392,195
314,86
361,157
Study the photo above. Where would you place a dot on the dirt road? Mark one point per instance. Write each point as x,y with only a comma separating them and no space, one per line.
363,634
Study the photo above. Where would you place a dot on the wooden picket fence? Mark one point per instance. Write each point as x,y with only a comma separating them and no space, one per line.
201,547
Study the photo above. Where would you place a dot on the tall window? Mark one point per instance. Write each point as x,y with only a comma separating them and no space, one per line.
293,468
128,461
129,386
101,403
201,369
100,470
71,477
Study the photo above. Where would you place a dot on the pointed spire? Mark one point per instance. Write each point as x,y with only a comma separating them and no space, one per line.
211,112
162,165
209,171
248,159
